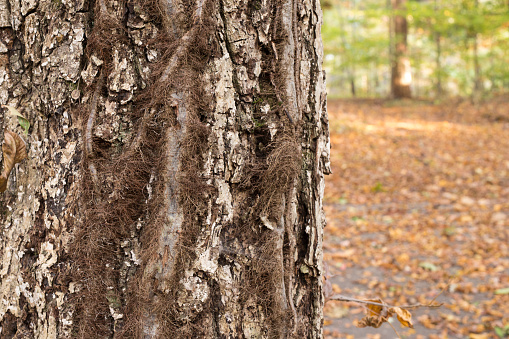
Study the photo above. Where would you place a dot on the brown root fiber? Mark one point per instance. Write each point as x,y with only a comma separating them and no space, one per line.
266,277
178,71
108,213
131,201
282,167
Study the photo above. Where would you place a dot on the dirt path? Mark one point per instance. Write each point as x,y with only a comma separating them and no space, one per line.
419,204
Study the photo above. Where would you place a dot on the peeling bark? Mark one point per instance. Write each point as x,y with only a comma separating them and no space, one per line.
174,178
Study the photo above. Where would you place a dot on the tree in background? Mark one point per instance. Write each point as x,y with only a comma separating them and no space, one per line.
478,82
401,73
356,47
173,184
456,47
438,51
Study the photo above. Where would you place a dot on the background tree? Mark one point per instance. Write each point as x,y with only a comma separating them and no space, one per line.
438,45
401,74
356,47
174,178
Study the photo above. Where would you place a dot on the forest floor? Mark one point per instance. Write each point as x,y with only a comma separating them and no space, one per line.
418,208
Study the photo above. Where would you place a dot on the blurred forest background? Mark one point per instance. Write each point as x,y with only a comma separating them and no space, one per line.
417,203
439,47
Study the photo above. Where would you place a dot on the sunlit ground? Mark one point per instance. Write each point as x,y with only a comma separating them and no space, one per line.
418,205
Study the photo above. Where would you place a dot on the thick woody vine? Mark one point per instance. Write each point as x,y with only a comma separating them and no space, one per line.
123,189
120,186
271,178
112,192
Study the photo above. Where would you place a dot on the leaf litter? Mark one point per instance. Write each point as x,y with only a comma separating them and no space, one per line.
418,203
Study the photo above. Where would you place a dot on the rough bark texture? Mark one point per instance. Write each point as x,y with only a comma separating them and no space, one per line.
401,74
174,179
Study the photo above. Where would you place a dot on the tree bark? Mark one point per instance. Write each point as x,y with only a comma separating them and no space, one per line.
174,178
401,76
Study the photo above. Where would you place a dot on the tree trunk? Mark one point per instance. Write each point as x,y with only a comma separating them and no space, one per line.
438,56
401,76
478,84
350,70
174,178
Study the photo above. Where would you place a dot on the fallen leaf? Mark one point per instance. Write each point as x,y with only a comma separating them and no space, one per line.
498,216
467,201
428,266
479,336
404,316
502,291
443,213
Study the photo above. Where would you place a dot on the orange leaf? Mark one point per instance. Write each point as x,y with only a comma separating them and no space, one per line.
375,322
14,151
375,310
404,316
479,336
376,315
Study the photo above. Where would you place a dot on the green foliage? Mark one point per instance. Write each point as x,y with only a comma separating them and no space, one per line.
24,123
502,291
429,266
502,332
378,188
356,43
